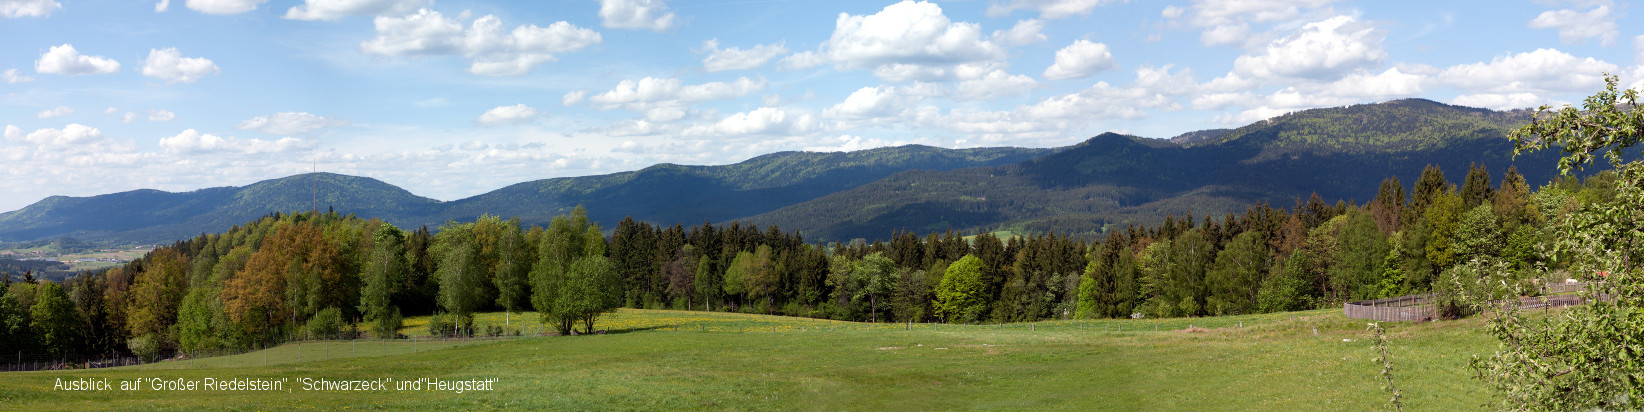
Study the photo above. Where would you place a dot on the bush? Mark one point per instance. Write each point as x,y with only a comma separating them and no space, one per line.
327,323
146,347
441,324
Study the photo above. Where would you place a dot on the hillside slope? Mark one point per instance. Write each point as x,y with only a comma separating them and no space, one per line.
1111,179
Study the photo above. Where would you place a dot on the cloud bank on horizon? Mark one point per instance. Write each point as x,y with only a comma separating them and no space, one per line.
451,99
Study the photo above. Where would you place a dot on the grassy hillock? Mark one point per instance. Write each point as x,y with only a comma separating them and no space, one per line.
1273,362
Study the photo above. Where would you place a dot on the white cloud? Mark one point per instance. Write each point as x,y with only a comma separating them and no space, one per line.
66,61
1575,27
28,8
58,111
170,65
636,14
13,76
993,85
733,58
1229,22
1500,101
290,123
1324,49
1080,59
1024,32
873,102
651,92
111,110
1544,71
904,41
337,9
573,97
492,51
162,6
128,117
848,143
800,61
223,6
159,115
761,121
1049,9
192,141
502,115
72,134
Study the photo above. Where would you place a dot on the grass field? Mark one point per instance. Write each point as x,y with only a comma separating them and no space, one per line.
752,362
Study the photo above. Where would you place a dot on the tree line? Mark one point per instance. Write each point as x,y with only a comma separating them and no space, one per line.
287,276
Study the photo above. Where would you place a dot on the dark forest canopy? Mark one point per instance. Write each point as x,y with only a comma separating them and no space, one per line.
288,276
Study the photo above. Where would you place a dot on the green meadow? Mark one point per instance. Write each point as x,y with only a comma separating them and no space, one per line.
669,360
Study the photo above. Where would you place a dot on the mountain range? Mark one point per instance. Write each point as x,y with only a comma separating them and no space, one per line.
1107,180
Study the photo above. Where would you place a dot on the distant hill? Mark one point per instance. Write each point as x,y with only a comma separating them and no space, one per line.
661,193
150,216
1111,179
669,193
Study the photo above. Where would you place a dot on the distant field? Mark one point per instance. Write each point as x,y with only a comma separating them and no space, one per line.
1274,362
124,254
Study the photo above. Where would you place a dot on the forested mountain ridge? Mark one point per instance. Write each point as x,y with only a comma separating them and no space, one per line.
151,216
660,193
1112,179
669,193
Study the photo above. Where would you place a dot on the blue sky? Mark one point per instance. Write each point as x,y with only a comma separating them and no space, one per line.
451,99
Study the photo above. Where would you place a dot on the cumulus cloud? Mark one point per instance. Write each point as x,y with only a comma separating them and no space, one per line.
58,111
872,102
14,76
1229,22
492,51
502,115
192,141
1049,9
223,6
761,121
159,115
28,8
1575,27
64,60
162,6
733,58
169,64
290,123
337,9
636,14
1499,101
1323,49
1080,59
1543,71
904,41
573,97
72,134
1024,32
652,92
993,85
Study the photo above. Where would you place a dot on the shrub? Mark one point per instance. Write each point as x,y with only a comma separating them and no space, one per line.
327,323
146,347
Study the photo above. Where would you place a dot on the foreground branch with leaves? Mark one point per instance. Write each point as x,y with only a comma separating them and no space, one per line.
1589,356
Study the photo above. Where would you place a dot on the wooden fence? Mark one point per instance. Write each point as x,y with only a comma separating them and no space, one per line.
1416,308
1411,308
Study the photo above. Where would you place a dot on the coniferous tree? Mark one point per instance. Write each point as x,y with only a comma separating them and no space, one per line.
1476,189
